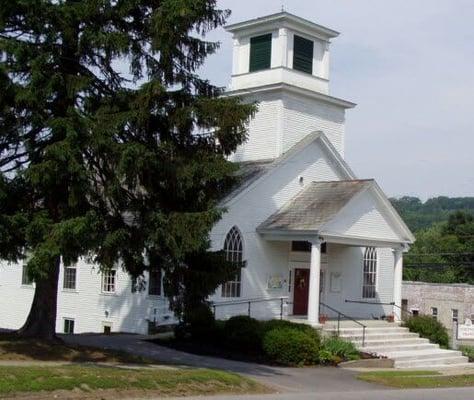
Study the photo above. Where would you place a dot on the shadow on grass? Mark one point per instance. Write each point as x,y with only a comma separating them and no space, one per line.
16,348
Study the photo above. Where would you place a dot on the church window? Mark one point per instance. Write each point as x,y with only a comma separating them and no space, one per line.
69,281
154,285
260,52
233,248
303,54
370,273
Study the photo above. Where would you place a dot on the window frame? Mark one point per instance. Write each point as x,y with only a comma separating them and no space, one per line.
155,286
370,273
109,284
454,311
299,59
301,246
253,42
25,279
434,312
234,251
67,325
66,278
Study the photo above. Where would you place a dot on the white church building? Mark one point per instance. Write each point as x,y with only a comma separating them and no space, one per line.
316,239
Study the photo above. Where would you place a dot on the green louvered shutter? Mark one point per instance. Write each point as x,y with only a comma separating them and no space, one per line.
303,55
260,52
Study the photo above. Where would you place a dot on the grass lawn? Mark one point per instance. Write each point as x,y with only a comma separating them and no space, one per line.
416,379
13,348
112,382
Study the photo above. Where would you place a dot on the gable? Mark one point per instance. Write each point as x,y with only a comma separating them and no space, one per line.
279,184
364,217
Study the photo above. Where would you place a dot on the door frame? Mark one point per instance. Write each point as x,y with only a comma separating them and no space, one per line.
306,265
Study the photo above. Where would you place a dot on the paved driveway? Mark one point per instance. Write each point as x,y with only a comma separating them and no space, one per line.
284,380
418,394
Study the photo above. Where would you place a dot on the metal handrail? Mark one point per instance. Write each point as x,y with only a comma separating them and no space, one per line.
214,305
380,303
339,315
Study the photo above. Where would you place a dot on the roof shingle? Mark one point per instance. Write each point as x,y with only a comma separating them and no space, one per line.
315,206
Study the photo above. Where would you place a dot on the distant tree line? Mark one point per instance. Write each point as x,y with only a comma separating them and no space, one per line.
421,215
444,247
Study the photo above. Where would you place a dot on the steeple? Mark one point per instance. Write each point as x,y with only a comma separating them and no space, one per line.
282,62
294,49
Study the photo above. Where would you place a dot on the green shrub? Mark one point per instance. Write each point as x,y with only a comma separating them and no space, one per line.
291,346
429,328
200,323
281,324
243,333
335,350
468,351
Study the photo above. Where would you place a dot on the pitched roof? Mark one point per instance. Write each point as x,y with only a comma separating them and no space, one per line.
251,171
315,206
284,17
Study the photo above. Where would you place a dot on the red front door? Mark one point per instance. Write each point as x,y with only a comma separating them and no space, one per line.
301,292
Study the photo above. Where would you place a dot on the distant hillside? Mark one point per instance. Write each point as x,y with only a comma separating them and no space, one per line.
419,215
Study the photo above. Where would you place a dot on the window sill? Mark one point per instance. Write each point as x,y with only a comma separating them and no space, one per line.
155,297
70,291
108,294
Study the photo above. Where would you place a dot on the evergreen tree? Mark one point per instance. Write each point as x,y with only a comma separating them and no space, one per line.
118,167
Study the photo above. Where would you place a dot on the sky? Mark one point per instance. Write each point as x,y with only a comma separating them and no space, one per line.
409,65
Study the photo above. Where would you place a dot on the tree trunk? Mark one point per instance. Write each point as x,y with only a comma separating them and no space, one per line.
41,321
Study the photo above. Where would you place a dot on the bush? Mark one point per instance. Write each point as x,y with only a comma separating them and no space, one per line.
200,323
335,350
429,328
243,333
291,346
281,324
468,351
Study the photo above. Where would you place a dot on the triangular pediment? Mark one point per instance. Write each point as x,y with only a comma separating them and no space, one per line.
366,215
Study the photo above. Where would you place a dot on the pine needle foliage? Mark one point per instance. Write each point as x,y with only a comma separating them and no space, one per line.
112,147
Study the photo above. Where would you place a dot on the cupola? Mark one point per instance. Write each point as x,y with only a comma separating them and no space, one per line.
281,48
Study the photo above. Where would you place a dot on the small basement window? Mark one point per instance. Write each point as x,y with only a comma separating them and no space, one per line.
260,52
434,312
455,315
68,326
303,54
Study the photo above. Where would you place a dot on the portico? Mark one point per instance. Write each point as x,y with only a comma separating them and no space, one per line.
343,266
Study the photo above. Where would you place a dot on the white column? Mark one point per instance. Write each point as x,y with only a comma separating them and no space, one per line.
283,34
397,282
314,277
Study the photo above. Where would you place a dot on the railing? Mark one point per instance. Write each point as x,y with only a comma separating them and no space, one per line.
339,315
249,303
402,310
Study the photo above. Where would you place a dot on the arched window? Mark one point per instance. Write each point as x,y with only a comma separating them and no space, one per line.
233,248
369,284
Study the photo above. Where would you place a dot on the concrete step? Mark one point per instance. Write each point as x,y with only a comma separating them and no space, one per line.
368,330
407,349
392,341
436,353
401,347
388,336
443,362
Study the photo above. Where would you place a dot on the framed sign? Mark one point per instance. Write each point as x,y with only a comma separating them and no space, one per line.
466,331
276,282
335,284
